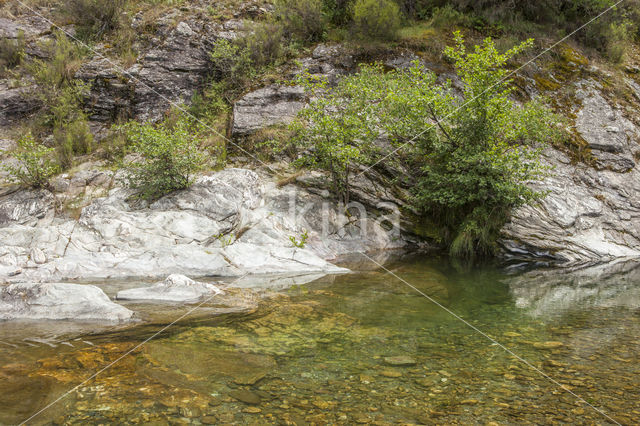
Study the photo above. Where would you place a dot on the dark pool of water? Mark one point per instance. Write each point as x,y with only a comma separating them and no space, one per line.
326,352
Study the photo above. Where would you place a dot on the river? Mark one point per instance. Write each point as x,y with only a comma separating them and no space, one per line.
362,347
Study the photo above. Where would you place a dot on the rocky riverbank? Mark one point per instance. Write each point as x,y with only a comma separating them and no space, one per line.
229,223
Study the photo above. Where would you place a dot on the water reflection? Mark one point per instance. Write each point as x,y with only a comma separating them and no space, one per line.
553,292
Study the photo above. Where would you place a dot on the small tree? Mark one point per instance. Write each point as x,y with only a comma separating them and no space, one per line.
335,130
482,151
376,19
36,165
169,156
473,155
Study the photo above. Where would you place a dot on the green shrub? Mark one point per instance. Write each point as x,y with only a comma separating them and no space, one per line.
482,152
71,139
36,165
473,154
449,17
95,18
376,19
338,12
11,53
263,44
336,129
237,63
169,156
303,20
60,93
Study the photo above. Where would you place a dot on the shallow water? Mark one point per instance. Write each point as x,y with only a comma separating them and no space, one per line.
318,353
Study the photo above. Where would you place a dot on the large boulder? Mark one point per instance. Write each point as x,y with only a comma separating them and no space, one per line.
586,215
175,288
611,137
230,223
16,103
25,206
266,107
589,213
59,301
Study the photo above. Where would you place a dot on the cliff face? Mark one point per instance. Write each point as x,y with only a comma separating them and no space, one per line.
591,212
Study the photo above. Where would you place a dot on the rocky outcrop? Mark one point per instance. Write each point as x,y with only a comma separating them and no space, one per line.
175,288
16,103
230,223
25,207
611,136
169,71
112,92
589,214
172,70
549,292
59,301
266,107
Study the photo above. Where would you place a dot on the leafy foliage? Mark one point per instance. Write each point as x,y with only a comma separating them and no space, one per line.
94,18
62,97
36,165
475,152
376,19
303,20
300,243
334,128
169,156
11,53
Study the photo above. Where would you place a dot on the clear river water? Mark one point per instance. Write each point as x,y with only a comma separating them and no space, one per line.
357,348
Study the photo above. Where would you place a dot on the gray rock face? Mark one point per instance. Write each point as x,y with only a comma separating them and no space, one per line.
59,301
171,71
229,224
589,214
330,62
16,103
265,107
112,93
610,135
175,288
25,207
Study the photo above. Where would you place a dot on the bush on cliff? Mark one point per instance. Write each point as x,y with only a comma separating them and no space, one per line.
62,97
376,19
168,155
473,154
35,163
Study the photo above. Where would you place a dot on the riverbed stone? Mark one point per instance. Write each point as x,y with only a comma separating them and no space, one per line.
246,396
400,360
59,301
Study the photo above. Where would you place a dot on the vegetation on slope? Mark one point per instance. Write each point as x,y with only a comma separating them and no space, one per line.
475,151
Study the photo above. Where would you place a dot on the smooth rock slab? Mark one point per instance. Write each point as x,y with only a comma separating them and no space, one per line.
59,301
175,288
401,360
